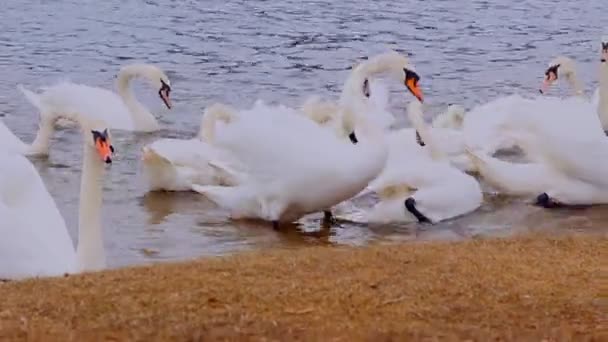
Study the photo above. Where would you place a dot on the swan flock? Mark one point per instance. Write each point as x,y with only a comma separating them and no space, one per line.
278,164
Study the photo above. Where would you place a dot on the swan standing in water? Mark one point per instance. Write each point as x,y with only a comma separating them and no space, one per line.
177,164
420,186
35,240
120,110
294,166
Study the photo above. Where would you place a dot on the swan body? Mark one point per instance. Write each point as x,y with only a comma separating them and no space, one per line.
295,167
39,244
120,110
415,180
567,148
177,164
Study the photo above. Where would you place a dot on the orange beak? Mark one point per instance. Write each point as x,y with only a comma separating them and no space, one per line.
413,87
549,79
104,149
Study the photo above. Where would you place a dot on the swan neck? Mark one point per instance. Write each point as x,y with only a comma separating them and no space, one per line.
207,132
90,253
603,95
41,143
421,127
576,85
141,117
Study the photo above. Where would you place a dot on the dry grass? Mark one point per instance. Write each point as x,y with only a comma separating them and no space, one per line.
522,289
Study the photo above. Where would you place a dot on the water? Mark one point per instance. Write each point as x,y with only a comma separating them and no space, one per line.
239,51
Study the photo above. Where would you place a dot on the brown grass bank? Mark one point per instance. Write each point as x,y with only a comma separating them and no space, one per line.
528,288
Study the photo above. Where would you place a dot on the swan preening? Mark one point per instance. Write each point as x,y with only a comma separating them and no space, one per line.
419,186
121,110
35,239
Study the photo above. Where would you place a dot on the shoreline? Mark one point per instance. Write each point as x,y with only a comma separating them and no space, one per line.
526,287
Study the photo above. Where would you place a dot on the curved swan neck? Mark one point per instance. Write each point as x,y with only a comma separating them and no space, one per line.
207,130
415,115
576,84
353,87
90,255
602,106
141,117
41,143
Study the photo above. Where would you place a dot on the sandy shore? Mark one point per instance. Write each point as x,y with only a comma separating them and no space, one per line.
527,288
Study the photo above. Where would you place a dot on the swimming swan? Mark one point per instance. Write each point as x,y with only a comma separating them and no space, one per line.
566,67
120,110
422,186
35,240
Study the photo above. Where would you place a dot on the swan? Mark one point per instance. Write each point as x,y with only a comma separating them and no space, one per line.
566,67
176,164
420,186
120,110
35,240
295,167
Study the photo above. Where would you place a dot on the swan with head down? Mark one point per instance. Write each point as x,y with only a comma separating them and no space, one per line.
35,240
121,110
422,186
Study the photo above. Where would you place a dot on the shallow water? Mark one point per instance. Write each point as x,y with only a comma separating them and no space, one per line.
238,51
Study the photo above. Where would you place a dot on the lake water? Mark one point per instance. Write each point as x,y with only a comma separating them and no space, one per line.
466,52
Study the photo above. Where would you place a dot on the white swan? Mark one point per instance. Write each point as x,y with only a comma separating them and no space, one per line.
176,164
422,186
120,110
35,240
566,67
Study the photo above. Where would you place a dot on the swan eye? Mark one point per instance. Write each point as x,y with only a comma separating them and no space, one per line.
411,75
605,46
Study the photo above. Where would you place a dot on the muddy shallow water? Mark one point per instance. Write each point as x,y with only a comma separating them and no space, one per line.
239,51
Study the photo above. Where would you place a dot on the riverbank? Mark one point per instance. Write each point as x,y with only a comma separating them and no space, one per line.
515,289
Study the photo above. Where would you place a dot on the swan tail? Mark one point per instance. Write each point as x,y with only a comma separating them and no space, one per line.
237,200
32,97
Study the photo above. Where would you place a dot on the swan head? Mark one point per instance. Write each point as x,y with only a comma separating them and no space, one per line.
560,66
155,77
394,63
604,42
102,144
